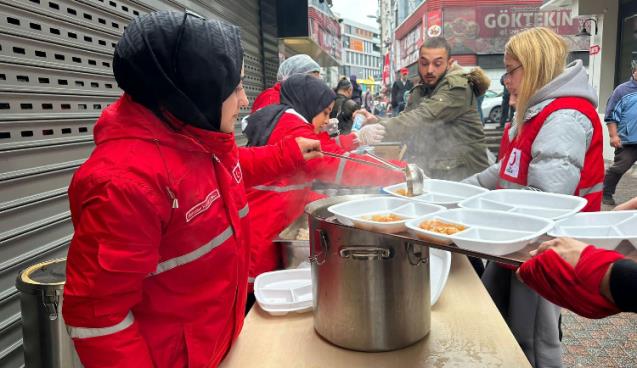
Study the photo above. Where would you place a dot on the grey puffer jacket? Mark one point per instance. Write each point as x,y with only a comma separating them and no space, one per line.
561,144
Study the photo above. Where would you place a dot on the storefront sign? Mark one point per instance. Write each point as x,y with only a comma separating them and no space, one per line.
356,45
486,29
325,31
409,47
434,23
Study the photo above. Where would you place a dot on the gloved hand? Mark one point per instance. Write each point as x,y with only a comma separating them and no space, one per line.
331,127
576,288
370,134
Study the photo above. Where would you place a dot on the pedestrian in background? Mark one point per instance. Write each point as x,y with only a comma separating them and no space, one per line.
506,109
398,90
621,120
344,106
357,90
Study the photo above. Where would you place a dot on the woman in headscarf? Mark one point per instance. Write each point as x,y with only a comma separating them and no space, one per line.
157,269
305,107
297,64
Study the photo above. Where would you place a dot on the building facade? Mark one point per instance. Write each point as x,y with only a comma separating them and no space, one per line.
477,31
361,52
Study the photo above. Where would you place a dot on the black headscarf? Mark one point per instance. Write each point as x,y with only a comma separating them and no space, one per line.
307,95
180,62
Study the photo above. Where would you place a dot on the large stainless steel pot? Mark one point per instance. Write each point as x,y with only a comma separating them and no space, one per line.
371,291
293,251
46,342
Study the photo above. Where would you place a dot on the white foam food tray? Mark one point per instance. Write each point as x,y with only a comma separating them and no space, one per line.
493,233
442,192
601,229
439,266
282,292
360,212
547,205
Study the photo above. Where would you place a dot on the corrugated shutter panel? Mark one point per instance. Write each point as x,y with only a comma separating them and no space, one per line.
55,78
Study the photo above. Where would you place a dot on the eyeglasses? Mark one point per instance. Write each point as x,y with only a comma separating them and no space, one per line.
508,74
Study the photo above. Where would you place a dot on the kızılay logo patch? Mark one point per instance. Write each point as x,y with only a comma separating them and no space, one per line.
202,206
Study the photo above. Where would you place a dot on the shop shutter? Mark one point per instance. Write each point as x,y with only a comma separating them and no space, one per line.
55,78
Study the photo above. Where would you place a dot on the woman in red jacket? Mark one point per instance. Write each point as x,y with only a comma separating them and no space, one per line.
157,269
305,109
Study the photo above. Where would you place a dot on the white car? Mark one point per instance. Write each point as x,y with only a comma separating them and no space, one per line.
492,107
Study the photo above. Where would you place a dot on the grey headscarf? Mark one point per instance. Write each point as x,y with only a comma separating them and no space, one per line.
180,63
297,64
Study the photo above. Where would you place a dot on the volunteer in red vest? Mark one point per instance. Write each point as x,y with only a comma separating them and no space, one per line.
305,107
554,145
157,269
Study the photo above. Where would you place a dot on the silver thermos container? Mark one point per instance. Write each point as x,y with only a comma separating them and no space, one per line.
46,342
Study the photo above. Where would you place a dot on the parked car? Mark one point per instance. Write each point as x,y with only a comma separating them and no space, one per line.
492,106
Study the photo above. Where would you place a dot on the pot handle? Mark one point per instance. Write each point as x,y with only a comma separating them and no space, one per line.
415,258
365,253
320,257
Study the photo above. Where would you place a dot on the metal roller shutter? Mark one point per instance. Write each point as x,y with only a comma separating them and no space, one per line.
55,78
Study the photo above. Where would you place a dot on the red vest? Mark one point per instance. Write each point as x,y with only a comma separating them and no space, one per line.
516,155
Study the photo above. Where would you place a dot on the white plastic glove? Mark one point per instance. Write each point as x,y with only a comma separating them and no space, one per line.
370,134
331,127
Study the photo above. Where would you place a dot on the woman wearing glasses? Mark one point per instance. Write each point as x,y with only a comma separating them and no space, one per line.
157,269
554,145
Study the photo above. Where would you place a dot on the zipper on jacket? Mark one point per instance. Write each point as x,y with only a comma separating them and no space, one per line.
171,195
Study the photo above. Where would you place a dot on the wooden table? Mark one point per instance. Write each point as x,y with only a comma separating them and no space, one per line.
466,331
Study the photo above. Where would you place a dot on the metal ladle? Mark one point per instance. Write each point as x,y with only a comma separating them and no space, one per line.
414,176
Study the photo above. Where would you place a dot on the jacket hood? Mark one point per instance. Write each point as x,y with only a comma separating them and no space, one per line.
127,119
573,82
479,81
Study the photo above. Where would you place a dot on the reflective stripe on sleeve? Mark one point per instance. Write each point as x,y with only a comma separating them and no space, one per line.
337,140
88,332
504,184
341,169
251,280
282,189
195,254
594,189
244,211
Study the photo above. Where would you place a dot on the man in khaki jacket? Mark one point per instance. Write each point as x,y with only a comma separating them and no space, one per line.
441,125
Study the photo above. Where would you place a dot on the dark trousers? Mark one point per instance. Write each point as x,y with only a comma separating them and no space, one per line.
625,157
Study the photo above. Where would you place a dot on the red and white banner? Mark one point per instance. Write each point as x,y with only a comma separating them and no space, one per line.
386,70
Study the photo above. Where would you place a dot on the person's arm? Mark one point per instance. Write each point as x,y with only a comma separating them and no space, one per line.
615,141
488,178
115,247
558,152
266,163
446,105
621,286
628,205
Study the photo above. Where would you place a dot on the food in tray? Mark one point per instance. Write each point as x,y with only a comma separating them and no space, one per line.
303,234
403,192
383,218
441,227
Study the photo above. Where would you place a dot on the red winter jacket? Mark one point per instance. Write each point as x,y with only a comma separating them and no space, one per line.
157,269
270,96
275,205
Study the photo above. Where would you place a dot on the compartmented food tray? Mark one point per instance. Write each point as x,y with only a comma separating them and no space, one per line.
282,292
547,205
442,192
486,231
602,229
384,214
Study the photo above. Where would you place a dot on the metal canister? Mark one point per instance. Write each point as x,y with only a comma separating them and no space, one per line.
46,342
371,292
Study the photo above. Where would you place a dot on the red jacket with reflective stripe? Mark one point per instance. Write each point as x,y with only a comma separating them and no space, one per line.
275,205
161,231
516,155
270,96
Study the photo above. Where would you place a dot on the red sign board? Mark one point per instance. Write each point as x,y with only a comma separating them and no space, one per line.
325,31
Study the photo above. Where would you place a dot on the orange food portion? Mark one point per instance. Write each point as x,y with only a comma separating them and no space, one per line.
403,192
440,227
385,218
